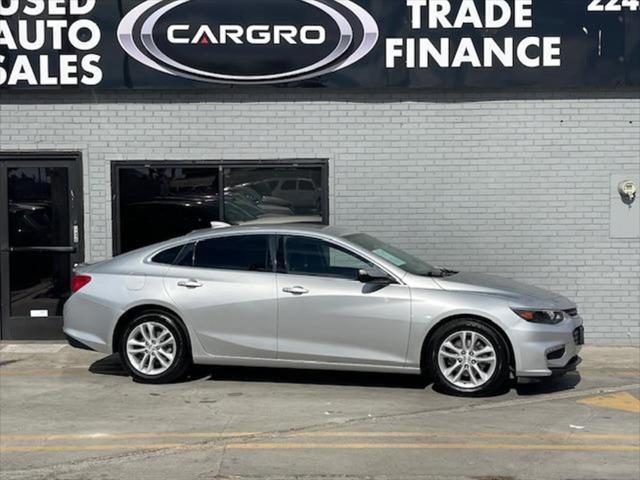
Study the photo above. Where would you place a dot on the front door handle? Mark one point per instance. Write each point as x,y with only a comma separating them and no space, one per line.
190,284
297,290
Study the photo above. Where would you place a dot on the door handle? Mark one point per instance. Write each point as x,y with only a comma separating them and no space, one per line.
190,284
297,290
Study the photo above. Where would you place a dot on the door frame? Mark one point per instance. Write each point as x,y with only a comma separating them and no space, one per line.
50,327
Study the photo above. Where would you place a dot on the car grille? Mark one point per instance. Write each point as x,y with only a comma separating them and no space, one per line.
572,312
578,335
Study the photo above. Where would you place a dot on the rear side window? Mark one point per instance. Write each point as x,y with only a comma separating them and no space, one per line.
249,253
168,256
185,257
181,255
306,185
289,185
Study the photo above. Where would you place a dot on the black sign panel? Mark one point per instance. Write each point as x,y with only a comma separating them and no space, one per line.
143,44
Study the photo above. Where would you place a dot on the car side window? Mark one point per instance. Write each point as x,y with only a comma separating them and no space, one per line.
168,256
249,253
306,185
185,257
312,256
288,185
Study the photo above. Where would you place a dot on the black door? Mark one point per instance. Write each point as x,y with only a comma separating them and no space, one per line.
40,241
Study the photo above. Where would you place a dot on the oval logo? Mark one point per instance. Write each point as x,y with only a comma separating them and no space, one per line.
248,41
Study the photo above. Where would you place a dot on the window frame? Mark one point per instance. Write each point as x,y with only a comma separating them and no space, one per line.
117,165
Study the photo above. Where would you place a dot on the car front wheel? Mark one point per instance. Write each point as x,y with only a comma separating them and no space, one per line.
154,348
469,358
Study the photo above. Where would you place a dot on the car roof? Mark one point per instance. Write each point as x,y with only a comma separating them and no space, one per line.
290,228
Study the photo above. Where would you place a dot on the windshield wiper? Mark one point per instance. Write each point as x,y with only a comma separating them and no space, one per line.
439,273
447,273
433,273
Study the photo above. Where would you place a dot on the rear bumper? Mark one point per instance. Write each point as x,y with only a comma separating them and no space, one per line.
78,344
89,324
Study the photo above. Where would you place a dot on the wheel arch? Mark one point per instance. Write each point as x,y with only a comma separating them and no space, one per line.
426,344
133,312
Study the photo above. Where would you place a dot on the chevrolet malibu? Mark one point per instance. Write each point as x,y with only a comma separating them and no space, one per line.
321,298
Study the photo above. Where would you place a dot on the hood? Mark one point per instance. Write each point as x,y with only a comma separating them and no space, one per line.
523,294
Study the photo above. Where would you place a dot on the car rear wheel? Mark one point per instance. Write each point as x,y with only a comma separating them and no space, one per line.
154,348
469,358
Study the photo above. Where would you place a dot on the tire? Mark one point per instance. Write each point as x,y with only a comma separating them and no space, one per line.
477,374
168,360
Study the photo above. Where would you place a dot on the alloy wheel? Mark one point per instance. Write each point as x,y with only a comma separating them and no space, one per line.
151,348
467,359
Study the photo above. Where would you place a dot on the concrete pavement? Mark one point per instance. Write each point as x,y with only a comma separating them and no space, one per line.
69,414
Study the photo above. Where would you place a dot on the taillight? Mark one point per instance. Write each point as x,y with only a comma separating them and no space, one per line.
79,281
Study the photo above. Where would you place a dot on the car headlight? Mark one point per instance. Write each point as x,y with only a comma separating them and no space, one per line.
549,317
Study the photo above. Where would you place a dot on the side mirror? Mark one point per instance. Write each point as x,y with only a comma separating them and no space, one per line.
376,277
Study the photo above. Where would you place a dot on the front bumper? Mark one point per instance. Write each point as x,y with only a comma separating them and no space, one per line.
569,367
547,350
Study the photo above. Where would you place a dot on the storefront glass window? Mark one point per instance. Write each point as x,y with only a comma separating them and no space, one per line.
156,204
273,195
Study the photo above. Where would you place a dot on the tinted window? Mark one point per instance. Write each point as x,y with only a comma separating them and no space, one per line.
289,185
261,193
185,258
167,256
310,256
306,185
249,253
157,204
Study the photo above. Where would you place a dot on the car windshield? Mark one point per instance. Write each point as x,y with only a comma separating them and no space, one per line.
395,256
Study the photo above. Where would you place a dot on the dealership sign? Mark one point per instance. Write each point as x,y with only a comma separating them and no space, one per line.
334,43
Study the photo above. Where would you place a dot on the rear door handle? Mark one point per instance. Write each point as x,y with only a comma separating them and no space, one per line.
297,290
190,284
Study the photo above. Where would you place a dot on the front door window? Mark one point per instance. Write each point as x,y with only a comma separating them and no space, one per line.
312,256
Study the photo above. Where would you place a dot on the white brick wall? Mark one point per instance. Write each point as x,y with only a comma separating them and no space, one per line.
510,183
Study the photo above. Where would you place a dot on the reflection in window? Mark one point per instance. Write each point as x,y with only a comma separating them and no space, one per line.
311,256
273,195
248,253
157,204
38,206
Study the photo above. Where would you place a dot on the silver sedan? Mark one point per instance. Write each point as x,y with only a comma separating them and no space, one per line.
321,298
